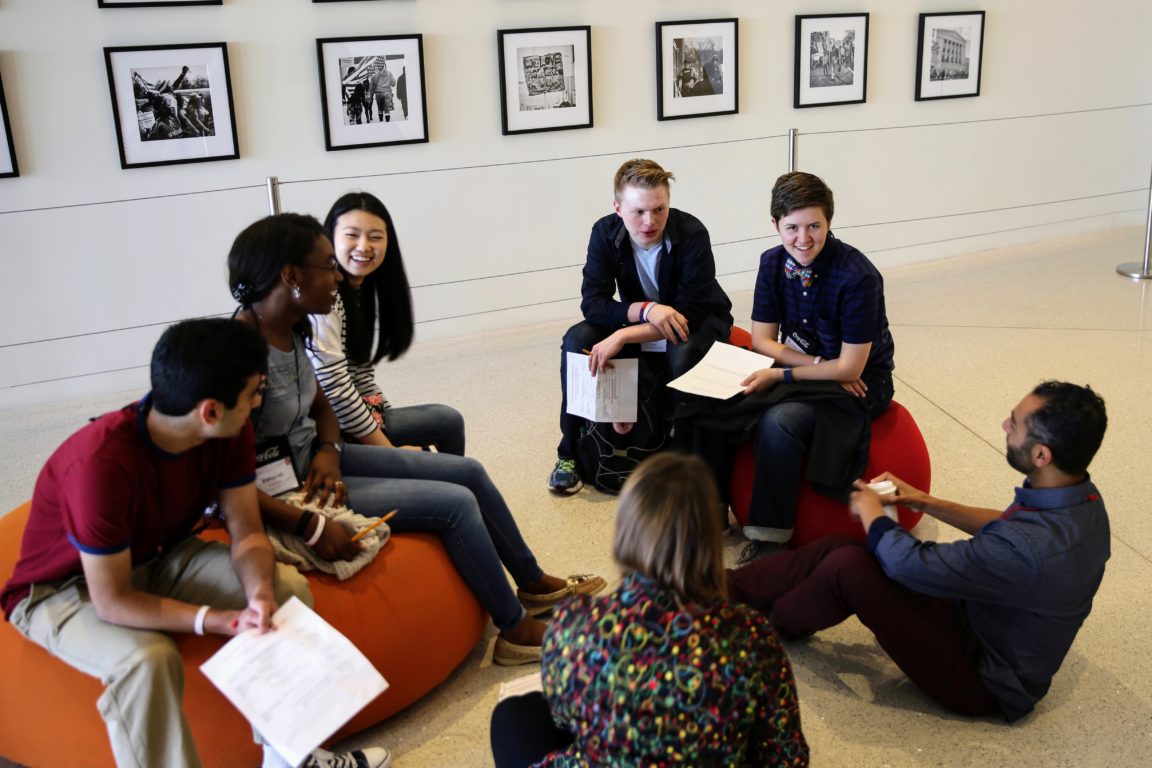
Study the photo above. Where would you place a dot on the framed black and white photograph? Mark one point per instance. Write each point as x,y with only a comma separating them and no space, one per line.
949,54
696,68
172,104
372,91
153,3
545,79
8,165
831,60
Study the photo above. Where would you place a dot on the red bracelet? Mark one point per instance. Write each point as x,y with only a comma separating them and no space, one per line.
643,311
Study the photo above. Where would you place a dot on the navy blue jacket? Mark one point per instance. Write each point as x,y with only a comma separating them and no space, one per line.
687,277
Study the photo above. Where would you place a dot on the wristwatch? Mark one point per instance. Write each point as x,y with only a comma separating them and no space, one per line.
338,447
788,376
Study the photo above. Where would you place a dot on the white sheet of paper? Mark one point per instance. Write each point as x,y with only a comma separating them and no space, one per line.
521,686
720,372
607,396
297,684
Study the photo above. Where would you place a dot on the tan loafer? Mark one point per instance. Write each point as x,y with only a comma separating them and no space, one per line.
580,584
508,654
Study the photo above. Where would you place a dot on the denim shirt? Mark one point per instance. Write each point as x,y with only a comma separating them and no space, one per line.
1024,583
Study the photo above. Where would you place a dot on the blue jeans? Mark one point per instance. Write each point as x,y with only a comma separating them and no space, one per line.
434,424
783,436
454,497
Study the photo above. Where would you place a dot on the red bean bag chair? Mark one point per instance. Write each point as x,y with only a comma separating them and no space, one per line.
897,447
409,612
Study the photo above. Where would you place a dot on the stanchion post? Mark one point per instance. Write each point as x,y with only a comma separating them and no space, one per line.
1133,269
791,150
272,183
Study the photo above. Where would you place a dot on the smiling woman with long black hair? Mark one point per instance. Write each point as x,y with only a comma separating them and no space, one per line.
282,269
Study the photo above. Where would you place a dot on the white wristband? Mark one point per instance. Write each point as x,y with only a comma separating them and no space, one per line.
816,361
198,624
320,520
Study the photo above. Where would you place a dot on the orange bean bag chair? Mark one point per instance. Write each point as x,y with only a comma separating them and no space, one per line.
897,447
409,612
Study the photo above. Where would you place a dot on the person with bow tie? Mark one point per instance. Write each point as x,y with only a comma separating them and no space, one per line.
818,311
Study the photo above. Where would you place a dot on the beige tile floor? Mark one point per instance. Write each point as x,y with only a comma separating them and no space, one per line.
973,335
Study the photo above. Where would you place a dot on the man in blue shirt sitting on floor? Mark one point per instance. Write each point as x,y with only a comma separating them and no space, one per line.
983,624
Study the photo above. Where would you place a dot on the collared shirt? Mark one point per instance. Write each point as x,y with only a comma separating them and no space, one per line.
1024,583
844,304
108,488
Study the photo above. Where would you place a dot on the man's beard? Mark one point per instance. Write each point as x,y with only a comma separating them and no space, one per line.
1020,459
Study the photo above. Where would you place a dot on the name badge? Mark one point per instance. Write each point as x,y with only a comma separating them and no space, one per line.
274,471
800,340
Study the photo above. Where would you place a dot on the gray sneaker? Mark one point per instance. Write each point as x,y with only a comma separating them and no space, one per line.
564,478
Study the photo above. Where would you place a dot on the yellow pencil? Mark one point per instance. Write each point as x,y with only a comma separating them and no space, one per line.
364,531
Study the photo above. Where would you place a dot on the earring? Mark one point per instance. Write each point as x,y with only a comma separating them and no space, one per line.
296,292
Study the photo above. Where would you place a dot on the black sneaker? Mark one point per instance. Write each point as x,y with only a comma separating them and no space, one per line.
564,478
754,550
370,757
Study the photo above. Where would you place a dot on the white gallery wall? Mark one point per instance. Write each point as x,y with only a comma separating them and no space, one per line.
96,260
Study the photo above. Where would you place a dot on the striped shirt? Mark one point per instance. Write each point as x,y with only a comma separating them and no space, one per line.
346,383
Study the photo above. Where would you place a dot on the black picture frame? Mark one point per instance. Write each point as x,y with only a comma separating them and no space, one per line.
8,166
697,68
153,3
395,114
545,79
831,66
944,66
148,83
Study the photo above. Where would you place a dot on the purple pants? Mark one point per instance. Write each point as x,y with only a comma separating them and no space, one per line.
823,583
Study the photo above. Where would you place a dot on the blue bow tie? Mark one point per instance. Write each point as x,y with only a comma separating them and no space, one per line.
792,270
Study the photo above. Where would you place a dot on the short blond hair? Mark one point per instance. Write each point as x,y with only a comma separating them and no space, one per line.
668,527
643,174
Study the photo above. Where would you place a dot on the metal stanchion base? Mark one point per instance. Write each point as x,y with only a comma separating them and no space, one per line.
1134,270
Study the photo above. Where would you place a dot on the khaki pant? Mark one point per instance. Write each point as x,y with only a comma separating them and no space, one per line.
141,669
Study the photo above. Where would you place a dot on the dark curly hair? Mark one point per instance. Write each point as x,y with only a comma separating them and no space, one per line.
261,251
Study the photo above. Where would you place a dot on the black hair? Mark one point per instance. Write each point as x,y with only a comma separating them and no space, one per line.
208,358
387,287
1071,422
261,251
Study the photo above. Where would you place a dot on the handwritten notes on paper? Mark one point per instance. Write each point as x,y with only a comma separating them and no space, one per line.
296,684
